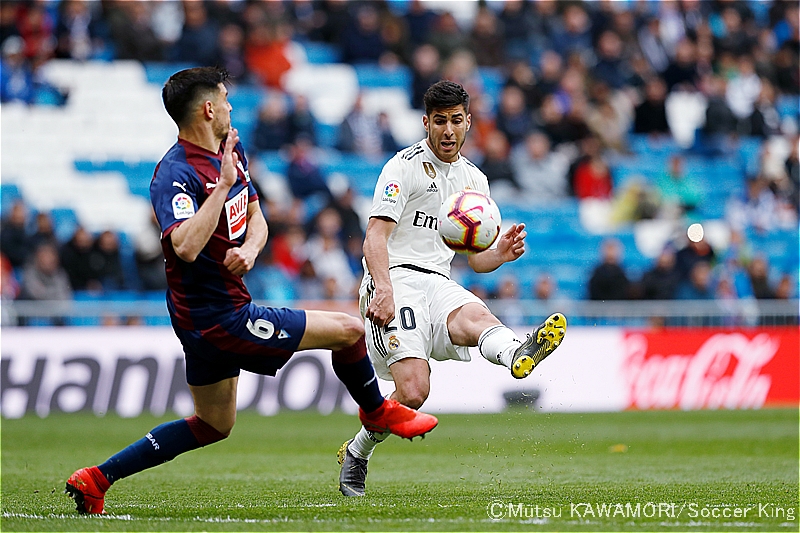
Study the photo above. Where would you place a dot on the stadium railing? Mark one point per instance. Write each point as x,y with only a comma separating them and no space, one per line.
672,313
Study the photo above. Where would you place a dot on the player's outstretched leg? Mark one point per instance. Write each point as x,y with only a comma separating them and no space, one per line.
88,486
544,340
353,474
353,368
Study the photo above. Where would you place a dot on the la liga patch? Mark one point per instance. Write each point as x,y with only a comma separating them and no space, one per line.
182,206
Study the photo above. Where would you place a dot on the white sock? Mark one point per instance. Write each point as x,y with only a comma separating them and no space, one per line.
497,345
364,442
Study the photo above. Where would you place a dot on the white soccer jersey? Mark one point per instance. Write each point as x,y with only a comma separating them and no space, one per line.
410,190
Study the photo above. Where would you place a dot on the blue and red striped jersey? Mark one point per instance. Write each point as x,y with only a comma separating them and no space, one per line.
183,179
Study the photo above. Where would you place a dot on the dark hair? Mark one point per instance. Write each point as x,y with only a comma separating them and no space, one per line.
444,94
183,88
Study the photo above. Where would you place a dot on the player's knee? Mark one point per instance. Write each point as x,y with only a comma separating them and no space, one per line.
352,329
412,395
211,430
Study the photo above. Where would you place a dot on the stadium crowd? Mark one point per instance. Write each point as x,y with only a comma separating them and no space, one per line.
580,81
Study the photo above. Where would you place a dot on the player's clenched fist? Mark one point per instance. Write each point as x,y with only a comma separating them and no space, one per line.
239,261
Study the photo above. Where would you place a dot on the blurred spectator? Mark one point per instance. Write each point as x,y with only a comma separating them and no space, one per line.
303,174
608,280
544,288
106,263
610,68
44,232
229,52
721,123
420,21
506,301
9,290
362,133
79,32
36,27
743,89
461,68
761,210
301,120
335,18
787,70
681,74
487,39
425,70
513,119
76,258
43,278
652,45
662,281
792,166
362,43
691,254
734,38
636,201
680,192
16,76
351,227
785,289
551,120
651,115
575,33
388,143
521,75
132,32
267,52
592,179
550,67
515,19
446,36
606,120
273,129
198,41
540,172
14,242
758,271
8,20
394,37
325,252
149,257
765,120
698,285
496,165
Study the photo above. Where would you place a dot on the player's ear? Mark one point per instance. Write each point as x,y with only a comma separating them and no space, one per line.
208,109
469,121
425,122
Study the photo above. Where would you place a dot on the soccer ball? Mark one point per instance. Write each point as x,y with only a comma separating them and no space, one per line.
469,222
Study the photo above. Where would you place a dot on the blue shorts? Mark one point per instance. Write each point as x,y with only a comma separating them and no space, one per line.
254,338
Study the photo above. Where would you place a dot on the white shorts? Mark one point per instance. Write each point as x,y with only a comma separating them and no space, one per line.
422,303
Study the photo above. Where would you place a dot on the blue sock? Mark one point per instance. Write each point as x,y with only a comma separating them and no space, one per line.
162,444
361,382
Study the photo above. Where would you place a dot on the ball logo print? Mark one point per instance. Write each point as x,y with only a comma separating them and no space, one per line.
469,222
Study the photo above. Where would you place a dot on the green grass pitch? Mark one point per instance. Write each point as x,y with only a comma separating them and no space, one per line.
660,471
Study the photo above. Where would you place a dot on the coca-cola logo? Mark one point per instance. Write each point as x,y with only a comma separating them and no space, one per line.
724,372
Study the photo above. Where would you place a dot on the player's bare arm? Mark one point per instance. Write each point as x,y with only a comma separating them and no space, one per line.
241,259
191,237
510,246
381,309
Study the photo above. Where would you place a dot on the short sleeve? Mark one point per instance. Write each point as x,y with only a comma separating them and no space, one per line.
174,195
391,191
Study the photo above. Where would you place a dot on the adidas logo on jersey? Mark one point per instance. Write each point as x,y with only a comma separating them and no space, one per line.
432,187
